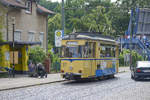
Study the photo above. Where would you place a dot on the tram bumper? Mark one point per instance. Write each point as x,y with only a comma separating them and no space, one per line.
72,76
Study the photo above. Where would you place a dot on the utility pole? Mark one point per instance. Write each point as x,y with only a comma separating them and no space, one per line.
63,17
13,24
131,32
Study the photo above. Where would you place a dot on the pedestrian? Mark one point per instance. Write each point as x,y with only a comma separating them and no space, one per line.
31,68
41,71
13,70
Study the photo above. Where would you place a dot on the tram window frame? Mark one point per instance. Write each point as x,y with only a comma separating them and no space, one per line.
107,50
68,52
89,50
83,51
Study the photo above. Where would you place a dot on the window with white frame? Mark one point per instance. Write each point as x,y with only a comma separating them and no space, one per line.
41,38
29,6
31,36
17,36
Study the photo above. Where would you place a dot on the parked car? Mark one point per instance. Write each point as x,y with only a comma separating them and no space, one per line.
141,70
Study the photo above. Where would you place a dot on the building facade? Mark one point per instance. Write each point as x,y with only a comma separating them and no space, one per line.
30,21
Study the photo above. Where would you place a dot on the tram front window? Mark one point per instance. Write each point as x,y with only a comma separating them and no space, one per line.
77,52
73,52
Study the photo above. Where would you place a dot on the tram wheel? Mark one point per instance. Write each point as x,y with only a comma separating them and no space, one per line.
112,76
100,78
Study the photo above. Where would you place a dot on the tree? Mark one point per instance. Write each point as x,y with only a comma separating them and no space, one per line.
50,5
98,21
92,15
53,25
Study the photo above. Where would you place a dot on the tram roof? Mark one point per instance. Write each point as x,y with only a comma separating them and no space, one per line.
89,36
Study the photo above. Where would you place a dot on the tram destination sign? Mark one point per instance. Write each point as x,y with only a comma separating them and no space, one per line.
72,43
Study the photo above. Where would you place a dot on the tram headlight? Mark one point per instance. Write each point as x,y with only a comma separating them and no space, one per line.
62,71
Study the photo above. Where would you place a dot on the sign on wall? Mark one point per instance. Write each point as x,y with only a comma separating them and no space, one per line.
58,38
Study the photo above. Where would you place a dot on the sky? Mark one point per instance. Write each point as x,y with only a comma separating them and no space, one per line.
61,0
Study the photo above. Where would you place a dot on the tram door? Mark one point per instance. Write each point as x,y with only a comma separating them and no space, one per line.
91,54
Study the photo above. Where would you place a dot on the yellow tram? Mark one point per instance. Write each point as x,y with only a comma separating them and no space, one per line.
88,55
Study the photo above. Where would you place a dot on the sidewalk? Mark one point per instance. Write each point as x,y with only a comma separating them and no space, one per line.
124,69
25,81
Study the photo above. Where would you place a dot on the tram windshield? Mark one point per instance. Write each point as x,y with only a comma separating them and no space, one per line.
78,52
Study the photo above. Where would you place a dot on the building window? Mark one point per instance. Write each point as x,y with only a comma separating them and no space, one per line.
41,38
31,37
29,7
17,36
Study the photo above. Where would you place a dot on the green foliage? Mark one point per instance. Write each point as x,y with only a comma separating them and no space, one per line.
1,54
135,57
54,57
50,5
37,55
53,24
92,15
55,61
1,37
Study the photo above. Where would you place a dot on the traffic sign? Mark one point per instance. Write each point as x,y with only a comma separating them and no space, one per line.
58,38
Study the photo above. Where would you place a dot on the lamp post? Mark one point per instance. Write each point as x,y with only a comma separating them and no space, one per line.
13,24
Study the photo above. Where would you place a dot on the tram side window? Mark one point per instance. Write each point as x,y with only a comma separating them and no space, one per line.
89,50
86,51
74,52
113,51
102,52
107,51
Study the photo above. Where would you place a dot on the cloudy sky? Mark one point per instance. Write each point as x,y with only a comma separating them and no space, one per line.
61,0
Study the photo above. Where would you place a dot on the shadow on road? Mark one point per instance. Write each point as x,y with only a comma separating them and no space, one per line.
143,80
89,81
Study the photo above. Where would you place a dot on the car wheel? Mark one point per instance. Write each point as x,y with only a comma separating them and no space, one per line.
135,78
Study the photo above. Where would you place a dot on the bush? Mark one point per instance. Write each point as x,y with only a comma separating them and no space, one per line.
135,57
55,61
37,55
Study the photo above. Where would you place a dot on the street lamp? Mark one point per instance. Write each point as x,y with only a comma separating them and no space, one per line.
13,24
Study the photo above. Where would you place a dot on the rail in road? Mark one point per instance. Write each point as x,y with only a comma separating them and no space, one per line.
119,88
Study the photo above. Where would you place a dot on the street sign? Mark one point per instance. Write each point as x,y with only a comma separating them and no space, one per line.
58,38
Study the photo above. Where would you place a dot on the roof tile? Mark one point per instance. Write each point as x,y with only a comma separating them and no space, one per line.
42,9
13,3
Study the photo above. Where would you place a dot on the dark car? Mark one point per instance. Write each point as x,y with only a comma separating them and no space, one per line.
141,70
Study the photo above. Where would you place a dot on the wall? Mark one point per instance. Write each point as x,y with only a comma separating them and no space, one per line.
3,11
26,22
3,50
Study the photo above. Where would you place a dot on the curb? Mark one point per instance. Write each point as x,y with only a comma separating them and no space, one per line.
42,84
31,85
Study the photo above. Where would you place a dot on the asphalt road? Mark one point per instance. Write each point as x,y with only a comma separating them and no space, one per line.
119,88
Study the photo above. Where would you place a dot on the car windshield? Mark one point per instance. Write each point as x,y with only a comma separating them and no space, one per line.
143,64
